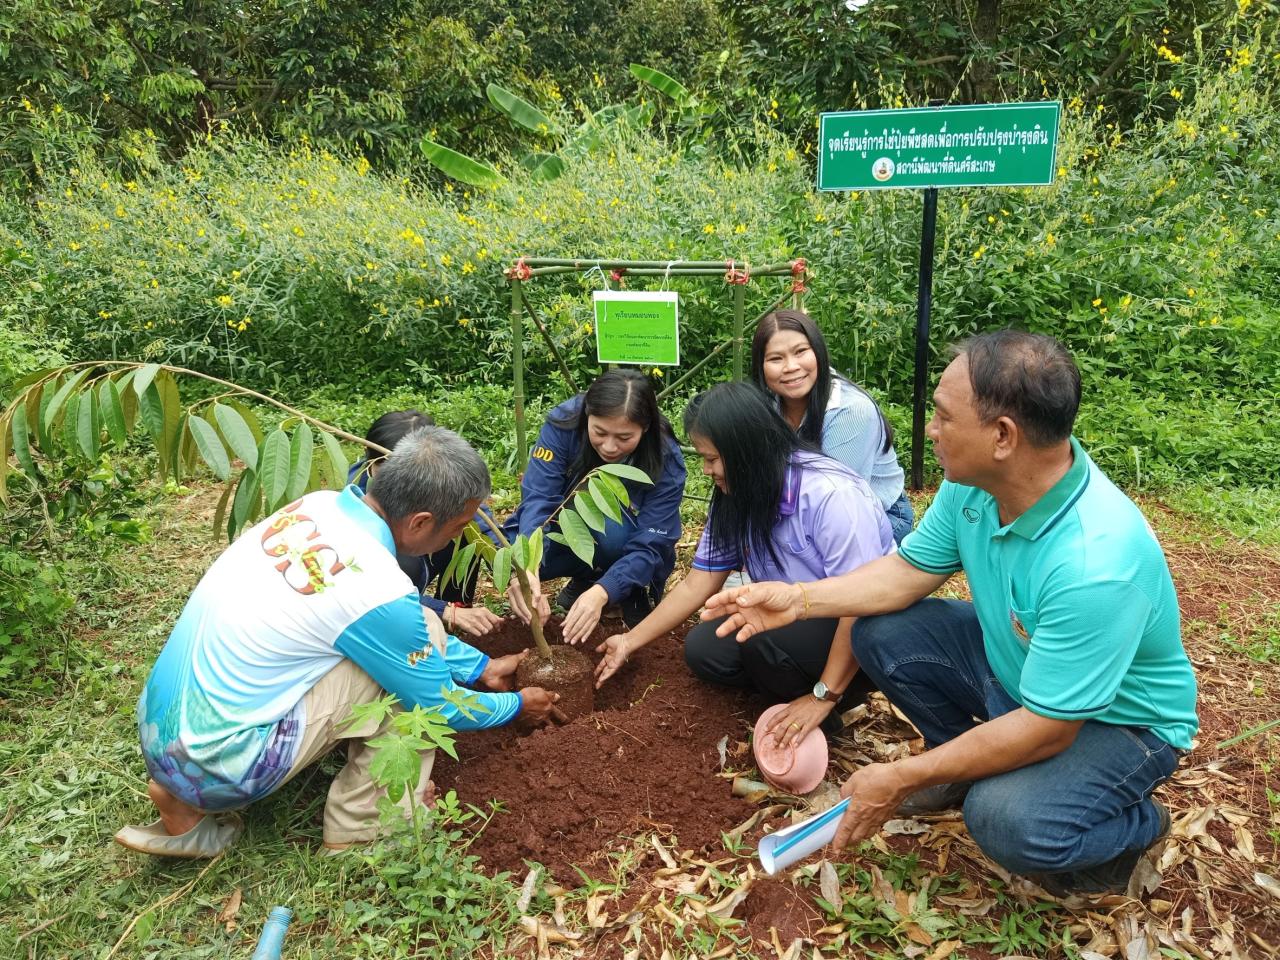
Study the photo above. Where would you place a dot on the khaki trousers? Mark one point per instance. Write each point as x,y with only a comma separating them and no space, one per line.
351,811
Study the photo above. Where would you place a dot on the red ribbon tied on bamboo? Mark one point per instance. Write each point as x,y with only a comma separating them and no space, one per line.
799,270
519,271
736,277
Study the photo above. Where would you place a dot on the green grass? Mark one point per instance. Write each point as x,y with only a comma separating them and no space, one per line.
72,775
1251,513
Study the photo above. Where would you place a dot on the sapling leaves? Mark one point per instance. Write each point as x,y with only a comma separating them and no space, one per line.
210,447
273,468
534,556
245,504
21,440
625,471
371,713
586,508
604,498
142,379
113,412
502,569
577,536
88,426
237,434
301,448
336,467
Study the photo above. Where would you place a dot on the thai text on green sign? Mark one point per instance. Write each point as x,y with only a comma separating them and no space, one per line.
995,145
638,327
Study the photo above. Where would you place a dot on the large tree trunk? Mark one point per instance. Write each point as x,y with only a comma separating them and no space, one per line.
986,33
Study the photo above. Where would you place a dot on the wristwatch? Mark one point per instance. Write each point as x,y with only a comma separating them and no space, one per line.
822,692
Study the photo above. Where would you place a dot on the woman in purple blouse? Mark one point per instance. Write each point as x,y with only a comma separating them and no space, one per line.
781,511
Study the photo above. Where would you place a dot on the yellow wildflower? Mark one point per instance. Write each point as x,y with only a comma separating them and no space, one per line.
977,254
468,267
1191,291
656,372
1097,301
709,228
1050,240
104,314
224,301
446,261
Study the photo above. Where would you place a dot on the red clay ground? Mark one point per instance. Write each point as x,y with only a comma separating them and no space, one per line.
647,761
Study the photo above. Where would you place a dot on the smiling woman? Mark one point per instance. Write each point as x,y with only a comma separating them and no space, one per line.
615,421
789,359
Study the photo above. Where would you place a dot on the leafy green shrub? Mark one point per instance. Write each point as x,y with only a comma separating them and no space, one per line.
1154,256
33,601
52,540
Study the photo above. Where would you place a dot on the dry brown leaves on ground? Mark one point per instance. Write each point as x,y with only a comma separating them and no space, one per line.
1213,892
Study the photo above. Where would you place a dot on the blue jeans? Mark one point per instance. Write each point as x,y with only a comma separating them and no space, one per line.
901,518
1078,809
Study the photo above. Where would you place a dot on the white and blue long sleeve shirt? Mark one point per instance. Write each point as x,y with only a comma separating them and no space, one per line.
222,713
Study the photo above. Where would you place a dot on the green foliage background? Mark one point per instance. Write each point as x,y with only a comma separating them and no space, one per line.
1153,255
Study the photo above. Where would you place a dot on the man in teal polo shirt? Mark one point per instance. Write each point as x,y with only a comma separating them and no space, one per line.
1061,697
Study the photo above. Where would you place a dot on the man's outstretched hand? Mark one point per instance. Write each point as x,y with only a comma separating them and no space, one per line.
500,673
537,706
755,608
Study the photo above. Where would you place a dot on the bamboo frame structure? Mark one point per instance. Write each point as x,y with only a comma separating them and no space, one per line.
736,273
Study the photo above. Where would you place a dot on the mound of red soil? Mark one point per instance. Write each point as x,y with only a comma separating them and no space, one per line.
645,760
776,905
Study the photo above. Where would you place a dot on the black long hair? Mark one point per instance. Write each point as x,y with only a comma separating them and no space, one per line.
755,445
621,392
816,411
392,427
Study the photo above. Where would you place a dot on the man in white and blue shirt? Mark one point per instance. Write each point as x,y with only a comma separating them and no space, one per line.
306,615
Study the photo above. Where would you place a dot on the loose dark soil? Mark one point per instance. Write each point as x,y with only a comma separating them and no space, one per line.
567,672
645,761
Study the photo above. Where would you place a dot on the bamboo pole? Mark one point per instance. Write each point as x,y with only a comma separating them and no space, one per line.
555,351
739,307
517,363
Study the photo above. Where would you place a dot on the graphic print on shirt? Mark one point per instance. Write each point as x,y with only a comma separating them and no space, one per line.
290,535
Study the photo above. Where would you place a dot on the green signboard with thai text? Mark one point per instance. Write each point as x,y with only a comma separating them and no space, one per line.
994,145
638,327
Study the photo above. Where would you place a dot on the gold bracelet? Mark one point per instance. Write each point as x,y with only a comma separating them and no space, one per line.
805,594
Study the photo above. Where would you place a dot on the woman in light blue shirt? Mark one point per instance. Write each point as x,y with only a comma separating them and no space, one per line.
789,359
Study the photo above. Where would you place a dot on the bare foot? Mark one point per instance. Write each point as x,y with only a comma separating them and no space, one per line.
177,816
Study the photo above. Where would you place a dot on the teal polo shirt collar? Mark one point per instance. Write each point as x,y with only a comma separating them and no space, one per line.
351,502
1056,502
